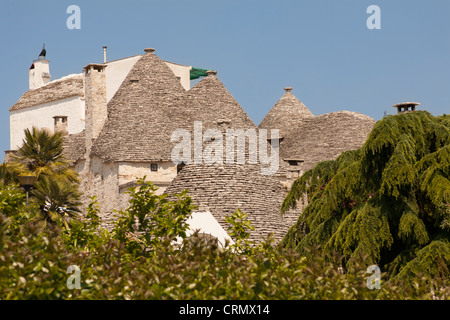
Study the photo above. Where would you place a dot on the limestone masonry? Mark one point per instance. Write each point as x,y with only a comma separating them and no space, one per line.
118,118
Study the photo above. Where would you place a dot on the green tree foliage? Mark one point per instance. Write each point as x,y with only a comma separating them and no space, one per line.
34,260
152,220
56,188
42,153
239,227
85,234
388,201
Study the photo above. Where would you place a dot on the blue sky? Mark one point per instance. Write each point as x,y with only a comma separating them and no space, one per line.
322,48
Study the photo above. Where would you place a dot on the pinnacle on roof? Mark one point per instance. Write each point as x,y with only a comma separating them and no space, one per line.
288,112
43,53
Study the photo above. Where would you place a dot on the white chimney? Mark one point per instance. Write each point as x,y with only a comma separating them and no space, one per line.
39,73
104,54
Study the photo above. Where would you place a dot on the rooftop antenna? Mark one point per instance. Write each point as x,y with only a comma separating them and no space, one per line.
43,53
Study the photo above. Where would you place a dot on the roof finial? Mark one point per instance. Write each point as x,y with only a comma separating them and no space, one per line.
149,50
288,89
43,53
211,73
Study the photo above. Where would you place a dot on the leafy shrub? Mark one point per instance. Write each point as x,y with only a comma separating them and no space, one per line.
34,260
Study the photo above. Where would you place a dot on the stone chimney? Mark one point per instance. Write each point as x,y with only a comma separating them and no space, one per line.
405,107
61,125
39,73
95,98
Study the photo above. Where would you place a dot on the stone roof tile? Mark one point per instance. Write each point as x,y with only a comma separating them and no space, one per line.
75,146
326,136
56,90
222,189
140,114
287,113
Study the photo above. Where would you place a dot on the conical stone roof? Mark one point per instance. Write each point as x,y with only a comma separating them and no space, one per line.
218,108
210,103
222,189
140,115
326,136
287,113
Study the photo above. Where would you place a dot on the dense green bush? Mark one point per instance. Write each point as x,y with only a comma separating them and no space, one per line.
130,263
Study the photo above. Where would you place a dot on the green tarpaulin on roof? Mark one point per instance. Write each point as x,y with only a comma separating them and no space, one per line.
197,73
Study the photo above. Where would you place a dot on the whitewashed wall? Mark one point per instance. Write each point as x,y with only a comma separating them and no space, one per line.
116,72
41,116
183,72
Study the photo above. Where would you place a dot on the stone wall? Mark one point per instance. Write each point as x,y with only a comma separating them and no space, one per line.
101,180
131,171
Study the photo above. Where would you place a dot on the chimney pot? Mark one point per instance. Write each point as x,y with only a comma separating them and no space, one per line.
105,48
406,107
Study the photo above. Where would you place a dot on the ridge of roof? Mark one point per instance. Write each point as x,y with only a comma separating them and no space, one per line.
121,59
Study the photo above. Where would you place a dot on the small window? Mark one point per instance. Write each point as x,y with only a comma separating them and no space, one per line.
180,167
280,140
154,167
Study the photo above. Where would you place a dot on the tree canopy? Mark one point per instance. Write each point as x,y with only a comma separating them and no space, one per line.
388,201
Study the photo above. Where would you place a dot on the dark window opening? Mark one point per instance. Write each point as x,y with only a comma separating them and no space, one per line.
180,167
280,140
154,167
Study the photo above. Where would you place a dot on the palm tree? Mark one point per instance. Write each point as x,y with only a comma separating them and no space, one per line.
42,153
7,176
56,187
57,198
